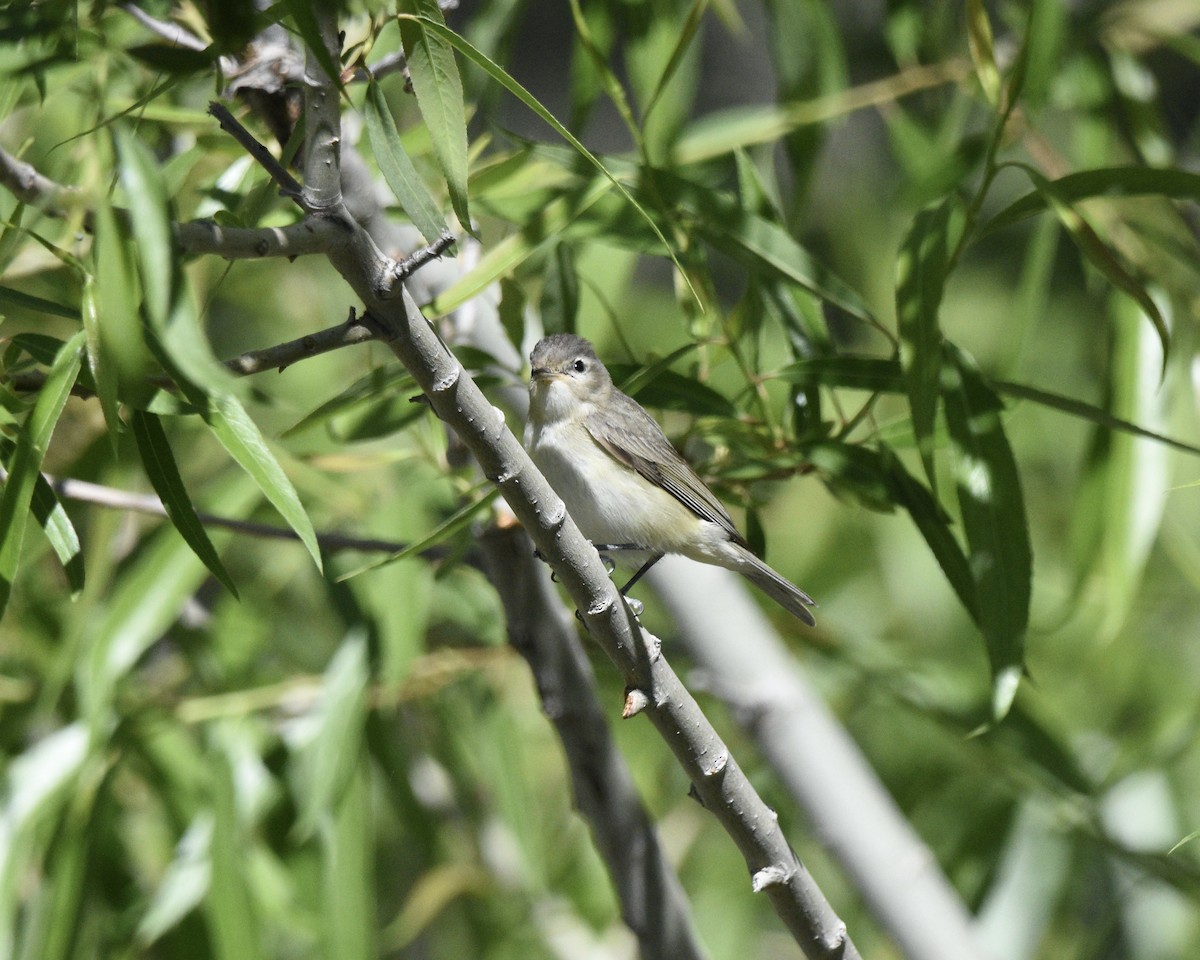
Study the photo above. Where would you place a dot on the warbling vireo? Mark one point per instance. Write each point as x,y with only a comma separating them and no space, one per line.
621,479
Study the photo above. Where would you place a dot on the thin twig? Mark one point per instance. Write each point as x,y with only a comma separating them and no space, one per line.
349,332
410,265
289,186
171,32
83,491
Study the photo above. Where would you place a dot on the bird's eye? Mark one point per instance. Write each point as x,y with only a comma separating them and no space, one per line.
579,365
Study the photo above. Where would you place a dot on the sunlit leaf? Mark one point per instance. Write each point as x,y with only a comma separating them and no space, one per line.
59,531
398,169
993,513
436,83
920,282
505,80
241,437
150,221
983,56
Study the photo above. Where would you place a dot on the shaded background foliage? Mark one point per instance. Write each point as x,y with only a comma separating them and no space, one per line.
901,283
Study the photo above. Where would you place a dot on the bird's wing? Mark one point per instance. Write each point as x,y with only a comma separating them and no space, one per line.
634,438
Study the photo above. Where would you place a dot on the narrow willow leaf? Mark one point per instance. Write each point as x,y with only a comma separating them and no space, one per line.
380,382
310,32
1112,182
983,55
560,291
32,441
1089,412
438,87
184,882
993,513
239,435
60,532
1102,256
324,762
348,870
398,169
116,301
443,531
146,193
669,390
498,74
234,928
851,372
163,474
504,257
103,370
770,245
920,282
28,301
687,32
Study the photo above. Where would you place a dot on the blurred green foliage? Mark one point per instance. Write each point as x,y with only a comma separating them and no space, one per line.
916,288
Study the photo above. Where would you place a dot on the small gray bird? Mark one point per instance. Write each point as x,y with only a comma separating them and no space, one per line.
621,479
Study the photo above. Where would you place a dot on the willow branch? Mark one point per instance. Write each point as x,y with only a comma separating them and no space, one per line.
172,33
254,243
348,333
288,185
718,780
34,188
653,904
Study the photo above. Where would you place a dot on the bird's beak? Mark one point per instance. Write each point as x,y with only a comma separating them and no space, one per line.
542,373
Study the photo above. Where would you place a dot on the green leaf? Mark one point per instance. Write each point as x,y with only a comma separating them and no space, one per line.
348,861
59,530
123,340
310,32
983,56
382,381
1113,182
26,462
920,282
146,193
438,87
1090,412
993,514
398,169
668,390
324,762
443,531
504,257
104,373
560,291
29,302
686,33
234,928
505,80
851,372
770,245
1102,256
184,883
241,437
163,473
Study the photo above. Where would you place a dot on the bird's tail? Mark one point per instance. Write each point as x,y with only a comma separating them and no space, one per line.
794,600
